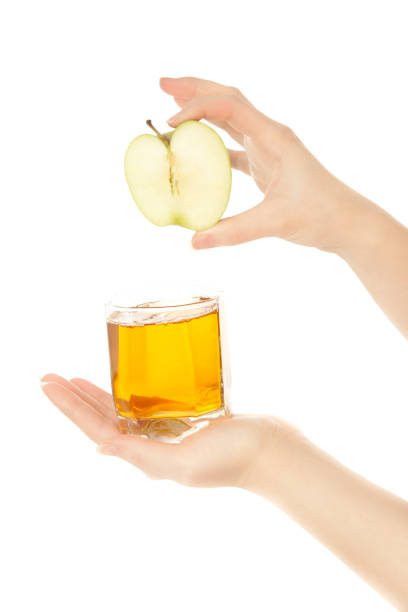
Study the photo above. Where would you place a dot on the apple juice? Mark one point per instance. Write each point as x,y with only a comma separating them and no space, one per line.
166,367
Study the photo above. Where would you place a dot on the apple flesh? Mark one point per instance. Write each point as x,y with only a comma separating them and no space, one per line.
180,178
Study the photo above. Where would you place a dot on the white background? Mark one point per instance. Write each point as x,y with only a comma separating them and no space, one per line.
79,78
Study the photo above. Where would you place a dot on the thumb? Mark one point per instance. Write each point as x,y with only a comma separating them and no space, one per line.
249,225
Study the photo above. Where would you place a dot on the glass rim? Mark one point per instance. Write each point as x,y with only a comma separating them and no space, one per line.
163,304
163,301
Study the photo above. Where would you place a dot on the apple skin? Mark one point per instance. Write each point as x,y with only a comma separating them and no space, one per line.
177,217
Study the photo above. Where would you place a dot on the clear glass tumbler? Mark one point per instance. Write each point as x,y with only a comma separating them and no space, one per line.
169,364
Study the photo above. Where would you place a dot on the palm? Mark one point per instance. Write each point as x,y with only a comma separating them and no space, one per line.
218,455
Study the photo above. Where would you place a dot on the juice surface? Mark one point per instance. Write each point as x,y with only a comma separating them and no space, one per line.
166,370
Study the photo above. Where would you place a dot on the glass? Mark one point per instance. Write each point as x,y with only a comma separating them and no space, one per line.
169,364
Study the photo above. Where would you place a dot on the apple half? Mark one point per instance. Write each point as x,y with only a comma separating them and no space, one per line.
180,178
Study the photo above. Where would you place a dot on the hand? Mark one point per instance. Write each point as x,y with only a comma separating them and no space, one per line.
223,454
303,202
358,522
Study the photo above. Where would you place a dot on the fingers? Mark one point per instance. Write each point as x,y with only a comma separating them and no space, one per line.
157,459
191,87
221,124
181,101
89,420
105,408
186,88
239,115
103,399
249,225
239,160
58,379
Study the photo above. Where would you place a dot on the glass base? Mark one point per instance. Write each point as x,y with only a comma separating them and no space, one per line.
169,430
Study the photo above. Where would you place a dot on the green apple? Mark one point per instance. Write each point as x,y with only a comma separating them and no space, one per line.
180,178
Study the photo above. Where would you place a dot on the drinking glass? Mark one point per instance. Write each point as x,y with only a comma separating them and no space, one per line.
169,363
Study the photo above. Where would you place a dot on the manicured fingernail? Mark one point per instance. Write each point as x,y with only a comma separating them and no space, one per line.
108,449
202,241
43,383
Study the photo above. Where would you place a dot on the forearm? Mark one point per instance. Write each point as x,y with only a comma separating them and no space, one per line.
365,526
376,248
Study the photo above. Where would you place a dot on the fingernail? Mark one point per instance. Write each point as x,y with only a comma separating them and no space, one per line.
43,383
173,120
202,241
108,449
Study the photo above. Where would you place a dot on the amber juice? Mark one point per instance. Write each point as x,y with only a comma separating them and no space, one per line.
166,365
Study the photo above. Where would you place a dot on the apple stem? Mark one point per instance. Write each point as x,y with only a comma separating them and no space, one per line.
161,136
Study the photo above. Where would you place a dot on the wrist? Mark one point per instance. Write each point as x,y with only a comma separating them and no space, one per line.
276,450
361,226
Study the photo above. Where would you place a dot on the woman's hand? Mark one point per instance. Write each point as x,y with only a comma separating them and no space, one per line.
222,454
362,524
302,202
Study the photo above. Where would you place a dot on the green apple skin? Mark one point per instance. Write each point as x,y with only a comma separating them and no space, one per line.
184,179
